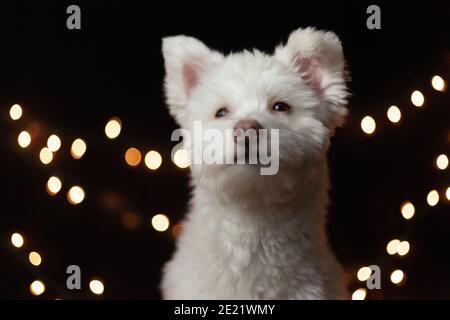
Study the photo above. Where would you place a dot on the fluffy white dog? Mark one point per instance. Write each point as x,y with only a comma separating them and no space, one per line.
247,235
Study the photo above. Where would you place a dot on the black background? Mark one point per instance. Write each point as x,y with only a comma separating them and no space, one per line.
71,82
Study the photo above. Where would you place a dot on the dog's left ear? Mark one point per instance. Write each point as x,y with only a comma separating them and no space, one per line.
186,59
319,59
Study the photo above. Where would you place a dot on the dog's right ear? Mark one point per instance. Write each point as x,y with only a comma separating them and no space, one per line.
185,60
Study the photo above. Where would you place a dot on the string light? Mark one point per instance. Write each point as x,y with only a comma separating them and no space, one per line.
364,273
403,248
17,240
53,143
438,83
368,125
160,222
24,139
37,287
96,287
153,160
181,158
35,258
133,157
113,128
407,210
15,112
46,155
177,229
417,98
54,185
433,198
397,276
392,246
78,149
359,294
442,162
394,114
75,195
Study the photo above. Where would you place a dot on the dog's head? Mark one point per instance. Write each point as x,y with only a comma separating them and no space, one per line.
299,90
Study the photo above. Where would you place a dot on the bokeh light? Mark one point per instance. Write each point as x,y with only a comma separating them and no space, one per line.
46,156
181,158
35,258
408,210
359,294
130,220
15,112
433,198
392,246
113,128
133,157
54,185
364,273
53,143
438,83
17,240
368,125
75,195
96,287
394,114
37,287
397,276
447,193
153,160
442,162
160,222
417,98
403,248
24,139
78,149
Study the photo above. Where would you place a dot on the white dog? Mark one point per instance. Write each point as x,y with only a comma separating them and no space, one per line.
247,235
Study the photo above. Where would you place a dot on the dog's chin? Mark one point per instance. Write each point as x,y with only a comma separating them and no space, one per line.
244,184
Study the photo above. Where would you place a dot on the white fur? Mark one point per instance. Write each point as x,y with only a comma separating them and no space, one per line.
249,236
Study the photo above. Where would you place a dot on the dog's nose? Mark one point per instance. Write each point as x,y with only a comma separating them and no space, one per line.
243,125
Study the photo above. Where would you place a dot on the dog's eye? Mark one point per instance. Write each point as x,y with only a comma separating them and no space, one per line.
280,107
222,112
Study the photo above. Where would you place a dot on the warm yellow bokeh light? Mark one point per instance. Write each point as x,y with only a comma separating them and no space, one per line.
133,157
397,276
15,112
160,222
35,258
24,139
392,246
442,162
53,143
403,248
394,114
96,286
75,195
447,193
438,83
113,128
177,229
417,98
408,210
153,160
46,155
181,158
433,198
54,185
78,149
364,273
17,240
37,287
368,125
359,294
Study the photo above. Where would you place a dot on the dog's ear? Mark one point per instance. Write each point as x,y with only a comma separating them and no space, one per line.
319,59
185,59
